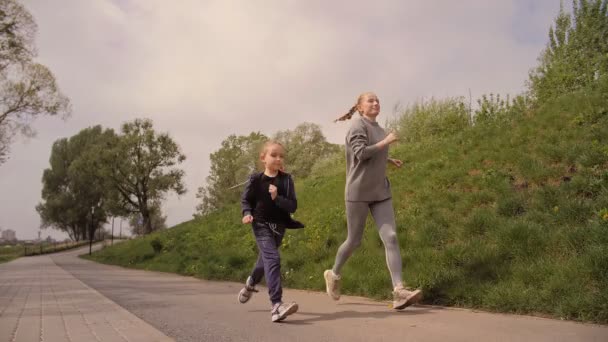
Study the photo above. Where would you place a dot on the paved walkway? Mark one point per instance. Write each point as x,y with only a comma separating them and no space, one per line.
40,301
64,298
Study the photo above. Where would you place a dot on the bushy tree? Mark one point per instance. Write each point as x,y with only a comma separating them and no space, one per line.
577,52
27,89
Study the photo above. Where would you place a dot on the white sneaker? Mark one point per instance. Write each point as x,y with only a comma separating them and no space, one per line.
402,298
332,284
247,291
280,311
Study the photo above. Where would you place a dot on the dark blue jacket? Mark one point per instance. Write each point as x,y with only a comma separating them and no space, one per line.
285,200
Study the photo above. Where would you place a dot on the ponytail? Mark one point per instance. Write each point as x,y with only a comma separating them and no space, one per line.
353,109
348,115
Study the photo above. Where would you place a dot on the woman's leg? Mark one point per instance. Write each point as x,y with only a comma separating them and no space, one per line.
384,216
356,214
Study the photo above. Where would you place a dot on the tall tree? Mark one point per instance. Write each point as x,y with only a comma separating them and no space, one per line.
237,157
27,89
577,52
73,193
158,221
141,166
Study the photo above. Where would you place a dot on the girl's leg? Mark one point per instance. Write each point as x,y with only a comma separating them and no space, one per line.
384,216
258,270
356,213
268,244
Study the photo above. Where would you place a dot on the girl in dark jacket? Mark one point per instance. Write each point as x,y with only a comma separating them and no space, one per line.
267,203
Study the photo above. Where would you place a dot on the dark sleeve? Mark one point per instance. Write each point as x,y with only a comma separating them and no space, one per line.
289,203
358,141
248,198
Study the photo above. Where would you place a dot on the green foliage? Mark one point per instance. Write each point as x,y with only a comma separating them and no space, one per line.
10,252
230,165
577,53
157,220
333,163
96,173
305,145
431,119
495,109
141,166
28,88
71,187
157,245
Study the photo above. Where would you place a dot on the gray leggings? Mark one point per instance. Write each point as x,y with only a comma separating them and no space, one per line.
384,216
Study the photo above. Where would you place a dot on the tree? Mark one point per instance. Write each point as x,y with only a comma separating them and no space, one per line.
577,52
140,166
4,144
27,89
17,31
304,145
73,193
237,157
157,221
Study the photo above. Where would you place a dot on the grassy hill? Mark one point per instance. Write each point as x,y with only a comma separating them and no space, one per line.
505,215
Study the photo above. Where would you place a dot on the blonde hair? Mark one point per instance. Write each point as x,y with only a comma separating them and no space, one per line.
353,109
267,144
265,147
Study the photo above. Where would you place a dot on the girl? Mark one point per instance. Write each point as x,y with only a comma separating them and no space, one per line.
268,200
368,189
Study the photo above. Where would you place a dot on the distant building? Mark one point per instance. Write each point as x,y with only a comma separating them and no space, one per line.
9,235
49,239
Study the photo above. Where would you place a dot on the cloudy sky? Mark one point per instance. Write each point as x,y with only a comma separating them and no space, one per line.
202,70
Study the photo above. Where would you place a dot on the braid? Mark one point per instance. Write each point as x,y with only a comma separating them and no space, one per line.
348,115
353,109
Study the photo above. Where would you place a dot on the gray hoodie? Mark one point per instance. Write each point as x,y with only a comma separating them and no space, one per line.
366,164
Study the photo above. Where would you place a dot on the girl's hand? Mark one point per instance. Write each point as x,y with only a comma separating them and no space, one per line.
273,191
396,162
247,219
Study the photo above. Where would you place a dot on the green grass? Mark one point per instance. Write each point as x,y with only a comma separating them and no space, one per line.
507,215
49,248
10,252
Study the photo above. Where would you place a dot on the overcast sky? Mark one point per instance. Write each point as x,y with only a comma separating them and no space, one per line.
202,70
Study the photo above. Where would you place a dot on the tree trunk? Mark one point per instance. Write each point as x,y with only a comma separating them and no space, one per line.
145,213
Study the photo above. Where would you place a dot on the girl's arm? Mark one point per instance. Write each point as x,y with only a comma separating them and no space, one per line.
247,198
288,203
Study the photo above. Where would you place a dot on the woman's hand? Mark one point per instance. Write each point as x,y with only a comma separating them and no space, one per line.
391,138
396,162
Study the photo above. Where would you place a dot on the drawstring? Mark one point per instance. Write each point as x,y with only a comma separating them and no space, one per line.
273,227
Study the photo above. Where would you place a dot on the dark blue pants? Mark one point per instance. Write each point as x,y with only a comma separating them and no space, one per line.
268,238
